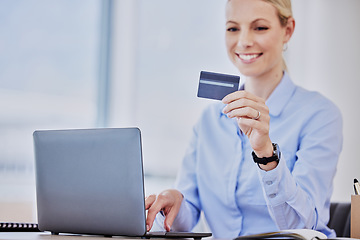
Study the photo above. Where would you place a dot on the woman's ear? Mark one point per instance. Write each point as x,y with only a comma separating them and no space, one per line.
289,29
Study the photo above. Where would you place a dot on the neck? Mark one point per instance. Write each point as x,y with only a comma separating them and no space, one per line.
263,86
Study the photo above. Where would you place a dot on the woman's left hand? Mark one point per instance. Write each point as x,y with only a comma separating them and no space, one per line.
253,119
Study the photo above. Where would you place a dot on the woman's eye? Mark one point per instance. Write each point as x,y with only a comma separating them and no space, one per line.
261,28
233,29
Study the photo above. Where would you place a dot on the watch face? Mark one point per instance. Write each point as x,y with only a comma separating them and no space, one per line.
277,151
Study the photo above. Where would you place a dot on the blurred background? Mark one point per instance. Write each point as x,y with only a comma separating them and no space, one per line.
123,63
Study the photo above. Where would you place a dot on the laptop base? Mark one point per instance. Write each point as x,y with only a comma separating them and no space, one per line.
194,235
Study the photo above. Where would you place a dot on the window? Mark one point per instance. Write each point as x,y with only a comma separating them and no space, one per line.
49,73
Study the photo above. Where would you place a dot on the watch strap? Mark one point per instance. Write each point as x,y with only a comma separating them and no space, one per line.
265,160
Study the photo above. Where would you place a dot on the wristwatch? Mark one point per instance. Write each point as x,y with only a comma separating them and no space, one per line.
265,160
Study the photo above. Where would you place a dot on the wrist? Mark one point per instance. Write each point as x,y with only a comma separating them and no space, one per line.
268,163
268,167
267,151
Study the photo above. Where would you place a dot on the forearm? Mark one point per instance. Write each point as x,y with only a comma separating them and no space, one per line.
289,205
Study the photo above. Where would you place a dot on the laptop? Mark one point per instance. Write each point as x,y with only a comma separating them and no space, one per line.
91,181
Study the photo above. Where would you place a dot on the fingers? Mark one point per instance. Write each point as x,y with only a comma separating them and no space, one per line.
242,104
149,200
241,95
249,125
252,116
153,208
243,112
169,202
171,214
170,217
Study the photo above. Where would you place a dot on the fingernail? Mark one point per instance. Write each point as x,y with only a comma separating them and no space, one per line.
147,228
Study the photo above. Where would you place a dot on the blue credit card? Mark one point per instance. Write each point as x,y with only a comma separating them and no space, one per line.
217,85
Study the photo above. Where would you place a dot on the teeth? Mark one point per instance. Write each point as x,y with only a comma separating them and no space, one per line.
248,56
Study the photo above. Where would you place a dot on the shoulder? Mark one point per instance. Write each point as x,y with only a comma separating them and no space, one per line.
317,114
314,102
305,110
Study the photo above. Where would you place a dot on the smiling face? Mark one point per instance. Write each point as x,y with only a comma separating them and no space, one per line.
255,37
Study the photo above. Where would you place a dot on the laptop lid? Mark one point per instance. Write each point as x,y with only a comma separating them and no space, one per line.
90,181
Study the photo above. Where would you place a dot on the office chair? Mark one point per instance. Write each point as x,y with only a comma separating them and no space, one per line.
340,219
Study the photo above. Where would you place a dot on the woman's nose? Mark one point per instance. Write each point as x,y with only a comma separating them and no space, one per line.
245,39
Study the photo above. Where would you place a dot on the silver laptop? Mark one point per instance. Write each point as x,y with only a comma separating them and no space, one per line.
91,181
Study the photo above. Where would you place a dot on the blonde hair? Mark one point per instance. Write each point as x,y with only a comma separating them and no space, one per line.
283,8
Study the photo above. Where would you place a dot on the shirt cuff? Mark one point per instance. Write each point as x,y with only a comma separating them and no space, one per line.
183,221
278,184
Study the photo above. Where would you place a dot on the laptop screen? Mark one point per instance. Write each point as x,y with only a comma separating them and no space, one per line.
90,181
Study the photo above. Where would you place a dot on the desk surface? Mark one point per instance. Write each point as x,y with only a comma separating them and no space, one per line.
48,236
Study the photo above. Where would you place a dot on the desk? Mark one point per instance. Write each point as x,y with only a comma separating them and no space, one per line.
48,236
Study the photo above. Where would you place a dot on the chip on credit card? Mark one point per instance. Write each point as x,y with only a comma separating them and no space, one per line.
217,85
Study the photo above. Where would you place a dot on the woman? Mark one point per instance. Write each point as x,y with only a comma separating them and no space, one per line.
233,170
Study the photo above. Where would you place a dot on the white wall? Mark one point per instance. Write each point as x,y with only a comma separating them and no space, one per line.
158,92
160,48
324,56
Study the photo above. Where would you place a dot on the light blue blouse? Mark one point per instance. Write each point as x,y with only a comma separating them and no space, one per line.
219,177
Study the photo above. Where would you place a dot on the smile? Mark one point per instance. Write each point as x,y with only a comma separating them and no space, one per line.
249,57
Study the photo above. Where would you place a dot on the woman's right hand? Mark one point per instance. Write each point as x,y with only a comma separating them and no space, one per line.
169,202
